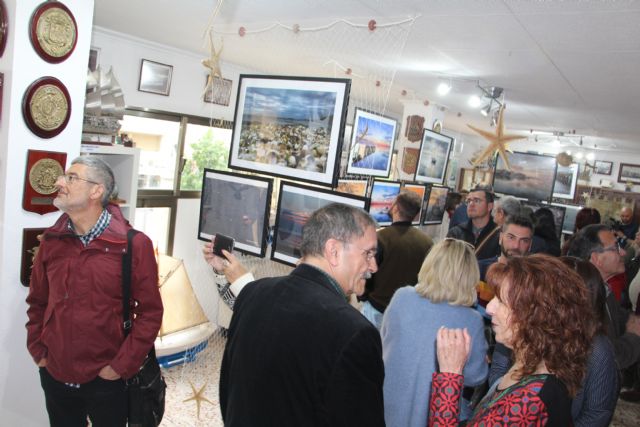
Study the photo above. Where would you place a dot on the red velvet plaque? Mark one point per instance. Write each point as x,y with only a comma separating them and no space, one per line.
46,107
30,244
43,169
53,31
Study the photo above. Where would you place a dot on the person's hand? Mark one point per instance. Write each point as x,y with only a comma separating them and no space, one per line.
213,260
42,363
232,267
453,347
107,373
633,324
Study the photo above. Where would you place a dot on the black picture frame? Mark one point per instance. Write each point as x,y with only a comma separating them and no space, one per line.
603,167
421,190
383,194
570,213
435,205
629,173
532,176
236,205
557,209
290,127
372,140
564,186
295,204
433,157
219,92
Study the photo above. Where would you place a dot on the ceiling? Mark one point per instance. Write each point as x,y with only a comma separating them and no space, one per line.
565,66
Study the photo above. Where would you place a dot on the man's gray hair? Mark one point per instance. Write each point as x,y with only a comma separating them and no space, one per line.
99,171
509,205
334,221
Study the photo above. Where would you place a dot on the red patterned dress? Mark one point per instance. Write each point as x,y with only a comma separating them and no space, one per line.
536,400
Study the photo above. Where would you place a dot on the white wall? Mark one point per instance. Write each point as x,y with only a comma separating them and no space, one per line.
21,399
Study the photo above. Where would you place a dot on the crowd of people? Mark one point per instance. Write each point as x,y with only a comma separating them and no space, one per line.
489,326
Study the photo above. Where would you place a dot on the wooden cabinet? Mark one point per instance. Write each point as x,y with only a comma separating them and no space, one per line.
124,162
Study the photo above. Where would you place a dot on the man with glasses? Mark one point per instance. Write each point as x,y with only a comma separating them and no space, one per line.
481,231
401,250
297,353
75,330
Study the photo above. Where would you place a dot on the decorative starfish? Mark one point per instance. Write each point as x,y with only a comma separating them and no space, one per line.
498,141
197,396
213,62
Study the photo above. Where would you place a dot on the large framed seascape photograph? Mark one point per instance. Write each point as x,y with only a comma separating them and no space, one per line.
531,177
436,203
420,190
433,158
238,206
371,147
290,127
296,204
629,173
566,181
383,194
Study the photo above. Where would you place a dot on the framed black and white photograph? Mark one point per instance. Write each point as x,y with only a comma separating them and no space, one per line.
566,181
421,191
296,204
290,127
357,187
383,194
570,214
219,92
603,167
556,209
433,158
531,176
237,206
372,142
436,203
629,173
155,77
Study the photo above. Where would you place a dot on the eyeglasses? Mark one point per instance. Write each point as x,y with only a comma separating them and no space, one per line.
613,248
369,254
71,178
475,200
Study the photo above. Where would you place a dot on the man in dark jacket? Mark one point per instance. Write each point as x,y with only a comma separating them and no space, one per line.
480,230
401,250
75,329
298,354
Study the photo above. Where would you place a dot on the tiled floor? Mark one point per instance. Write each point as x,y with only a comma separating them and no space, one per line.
205,372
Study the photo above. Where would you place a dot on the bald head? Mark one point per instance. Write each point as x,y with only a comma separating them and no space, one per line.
626,215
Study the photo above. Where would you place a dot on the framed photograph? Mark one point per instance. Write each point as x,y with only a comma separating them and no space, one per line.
629,173
220,91
372,143
30,246
94,58
238,206
383,194
296,204
155,77
558,211
603,167
420,190
570,213
566,181
531,177
433,158
353,186
436,203
290,127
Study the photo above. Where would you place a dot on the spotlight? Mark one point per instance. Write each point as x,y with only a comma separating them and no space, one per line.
487,109
579,155
591,156
443,89
474,101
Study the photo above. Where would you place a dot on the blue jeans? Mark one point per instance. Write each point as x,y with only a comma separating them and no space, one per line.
372,315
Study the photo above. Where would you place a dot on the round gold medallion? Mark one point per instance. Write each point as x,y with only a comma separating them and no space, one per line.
48,107
44,174
53,31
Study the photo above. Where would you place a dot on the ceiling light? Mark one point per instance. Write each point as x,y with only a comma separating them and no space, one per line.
474,101
579,155
487,109
443,89
591,156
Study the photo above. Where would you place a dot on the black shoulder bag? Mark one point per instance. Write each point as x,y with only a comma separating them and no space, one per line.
147,388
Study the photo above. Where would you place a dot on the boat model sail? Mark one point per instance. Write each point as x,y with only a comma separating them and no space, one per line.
104,107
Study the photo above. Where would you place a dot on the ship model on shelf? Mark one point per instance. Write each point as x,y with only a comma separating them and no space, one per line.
104,107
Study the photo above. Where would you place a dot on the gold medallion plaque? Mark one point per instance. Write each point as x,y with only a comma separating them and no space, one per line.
44,174
53,31
48,107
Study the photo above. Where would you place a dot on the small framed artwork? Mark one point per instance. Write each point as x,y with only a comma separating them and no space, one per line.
420,190
219,92
290,127
155,77
629,173
433,158
371,144
603,167
238,206
30,246
94,58
383,194
558,211
564,186
530,177
356,187
296,204
435,205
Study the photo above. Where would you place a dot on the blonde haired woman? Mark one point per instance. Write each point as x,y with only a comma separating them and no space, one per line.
445,291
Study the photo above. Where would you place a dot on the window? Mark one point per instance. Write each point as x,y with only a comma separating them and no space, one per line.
204,147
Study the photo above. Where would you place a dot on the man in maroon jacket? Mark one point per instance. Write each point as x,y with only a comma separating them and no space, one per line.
75,329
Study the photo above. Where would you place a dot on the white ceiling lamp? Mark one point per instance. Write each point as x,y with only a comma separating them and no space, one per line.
579,155
475,101
591,156
444,88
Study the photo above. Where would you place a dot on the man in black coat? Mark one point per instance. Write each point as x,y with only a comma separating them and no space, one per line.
298,354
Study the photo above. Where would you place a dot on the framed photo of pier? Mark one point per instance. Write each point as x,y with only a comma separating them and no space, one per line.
371,147
433,157
290,127
296,204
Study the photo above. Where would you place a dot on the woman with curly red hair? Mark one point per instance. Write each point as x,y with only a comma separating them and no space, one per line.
542,312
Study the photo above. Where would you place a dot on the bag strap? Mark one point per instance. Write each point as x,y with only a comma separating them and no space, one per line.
486,238
126,282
